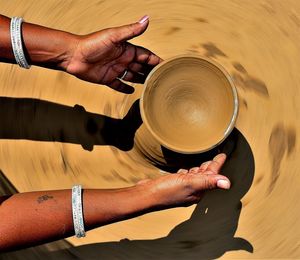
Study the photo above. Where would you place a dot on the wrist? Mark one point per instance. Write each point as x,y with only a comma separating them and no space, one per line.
148,195
71,44
142,199
116,205
47,47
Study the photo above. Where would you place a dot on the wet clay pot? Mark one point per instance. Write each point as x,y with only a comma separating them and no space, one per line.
189,104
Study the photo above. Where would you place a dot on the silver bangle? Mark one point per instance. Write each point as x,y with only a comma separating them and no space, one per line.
16,41
77,212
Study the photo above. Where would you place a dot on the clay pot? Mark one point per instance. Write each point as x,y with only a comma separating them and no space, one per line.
189,104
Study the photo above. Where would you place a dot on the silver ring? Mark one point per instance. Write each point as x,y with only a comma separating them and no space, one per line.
124,74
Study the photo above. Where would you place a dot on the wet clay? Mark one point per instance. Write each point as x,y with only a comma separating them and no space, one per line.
189,104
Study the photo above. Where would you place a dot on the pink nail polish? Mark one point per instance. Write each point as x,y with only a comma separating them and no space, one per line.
223,184
144,19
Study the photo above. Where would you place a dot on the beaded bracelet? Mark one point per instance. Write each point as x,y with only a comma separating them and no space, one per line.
16,41
78,221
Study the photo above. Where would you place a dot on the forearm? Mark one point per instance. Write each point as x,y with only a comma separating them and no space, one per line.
42,46
37,217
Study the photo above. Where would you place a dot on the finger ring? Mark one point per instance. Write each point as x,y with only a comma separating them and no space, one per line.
124,74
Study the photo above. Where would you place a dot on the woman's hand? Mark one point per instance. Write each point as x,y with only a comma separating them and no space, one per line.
186,187
104,57
51,211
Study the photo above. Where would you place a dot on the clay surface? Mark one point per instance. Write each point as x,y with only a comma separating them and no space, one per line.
189,104
47,142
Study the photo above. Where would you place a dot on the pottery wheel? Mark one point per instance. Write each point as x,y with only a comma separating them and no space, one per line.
51,123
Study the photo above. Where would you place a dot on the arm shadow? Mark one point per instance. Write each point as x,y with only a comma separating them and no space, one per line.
210,231
33,119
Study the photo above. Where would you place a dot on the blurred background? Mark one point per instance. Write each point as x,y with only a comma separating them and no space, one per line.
44,142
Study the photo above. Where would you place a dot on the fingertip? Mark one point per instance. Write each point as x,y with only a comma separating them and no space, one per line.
194,170
204,166
120,86
130,31
220,157
141,26
182,171
144,19
223,184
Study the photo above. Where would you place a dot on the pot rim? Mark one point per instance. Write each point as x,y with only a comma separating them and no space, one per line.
231,125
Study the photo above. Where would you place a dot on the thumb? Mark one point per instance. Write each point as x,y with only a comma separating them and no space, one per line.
127,32
210,181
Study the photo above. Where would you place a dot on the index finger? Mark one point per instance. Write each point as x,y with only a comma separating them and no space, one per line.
217,163
144,56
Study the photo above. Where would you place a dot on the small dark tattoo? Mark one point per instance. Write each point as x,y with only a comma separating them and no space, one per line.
44,198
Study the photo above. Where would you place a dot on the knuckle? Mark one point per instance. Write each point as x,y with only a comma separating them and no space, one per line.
209,183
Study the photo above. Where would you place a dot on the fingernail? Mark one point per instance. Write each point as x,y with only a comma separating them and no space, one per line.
205,164
182,171
194,170
221,155
161,171
144,19
223,184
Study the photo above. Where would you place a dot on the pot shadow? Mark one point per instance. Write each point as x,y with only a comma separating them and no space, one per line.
33,119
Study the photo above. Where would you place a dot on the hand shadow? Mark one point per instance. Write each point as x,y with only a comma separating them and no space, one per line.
208,234
32,119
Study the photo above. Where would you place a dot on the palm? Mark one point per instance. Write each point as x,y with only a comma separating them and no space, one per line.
187,186
104,56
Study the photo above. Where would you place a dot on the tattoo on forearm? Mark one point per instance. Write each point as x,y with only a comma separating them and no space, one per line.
44,198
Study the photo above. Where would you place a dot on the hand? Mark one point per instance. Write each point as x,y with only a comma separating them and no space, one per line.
186,187
103,57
